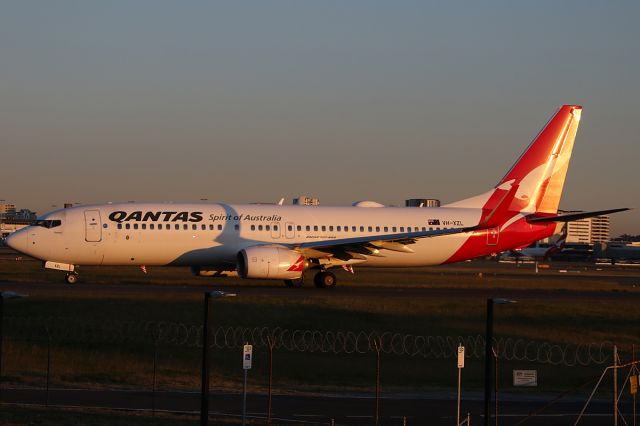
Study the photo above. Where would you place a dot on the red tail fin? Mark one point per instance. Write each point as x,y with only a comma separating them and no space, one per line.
538,175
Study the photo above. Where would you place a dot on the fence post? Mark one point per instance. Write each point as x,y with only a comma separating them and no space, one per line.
377,345
155,335
48,364
615,385
271,342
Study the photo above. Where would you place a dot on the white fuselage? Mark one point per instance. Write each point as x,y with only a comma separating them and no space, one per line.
211,235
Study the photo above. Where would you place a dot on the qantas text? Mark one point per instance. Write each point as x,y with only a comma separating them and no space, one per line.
120,216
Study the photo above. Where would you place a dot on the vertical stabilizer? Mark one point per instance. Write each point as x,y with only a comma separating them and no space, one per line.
538,175
541,170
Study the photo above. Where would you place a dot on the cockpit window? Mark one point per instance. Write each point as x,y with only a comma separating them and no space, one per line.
47,223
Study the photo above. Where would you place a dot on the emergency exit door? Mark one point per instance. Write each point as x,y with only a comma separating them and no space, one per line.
93,226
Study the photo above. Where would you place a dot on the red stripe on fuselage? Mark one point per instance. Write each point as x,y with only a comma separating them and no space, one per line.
518,234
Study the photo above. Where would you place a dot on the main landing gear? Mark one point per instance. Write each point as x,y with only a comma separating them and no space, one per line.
71,277
323,279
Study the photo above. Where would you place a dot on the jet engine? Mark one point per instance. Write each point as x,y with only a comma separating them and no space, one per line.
269,262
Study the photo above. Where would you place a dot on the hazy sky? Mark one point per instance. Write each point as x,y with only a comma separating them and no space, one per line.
344,100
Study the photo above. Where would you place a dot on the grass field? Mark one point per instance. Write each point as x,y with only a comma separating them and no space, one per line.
605,310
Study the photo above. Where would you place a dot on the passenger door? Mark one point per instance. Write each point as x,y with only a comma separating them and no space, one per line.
93,226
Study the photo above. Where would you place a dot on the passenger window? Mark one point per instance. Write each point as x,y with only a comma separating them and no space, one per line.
236,227
144,226
339,228
370,229
402,229
253,227
299,228
308,228
424,229
275,227
362,229
204,227
315,227
268,228
185,226
259,227
289,227
119,226
331,228
177,226
386,229
377,229
353,228
128,226
324,228
394,229
135,226
104,225
152,226
194,227
219,227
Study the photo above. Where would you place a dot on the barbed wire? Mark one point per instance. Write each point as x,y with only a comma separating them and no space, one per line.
336,342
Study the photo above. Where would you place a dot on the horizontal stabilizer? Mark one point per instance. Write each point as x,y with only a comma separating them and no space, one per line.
570,217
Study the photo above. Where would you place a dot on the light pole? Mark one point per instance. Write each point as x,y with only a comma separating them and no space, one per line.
488,346
204,397
5,295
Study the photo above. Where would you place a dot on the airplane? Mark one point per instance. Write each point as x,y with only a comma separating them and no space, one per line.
556,245
283,242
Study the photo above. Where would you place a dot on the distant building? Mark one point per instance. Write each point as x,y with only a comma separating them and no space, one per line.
424,202
7,210
592,230
25,214
303,200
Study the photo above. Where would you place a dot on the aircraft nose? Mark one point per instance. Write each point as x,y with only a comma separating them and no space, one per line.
17,241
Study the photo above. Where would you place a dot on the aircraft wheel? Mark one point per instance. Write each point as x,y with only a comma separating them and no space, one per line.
325,279
71,278
297,283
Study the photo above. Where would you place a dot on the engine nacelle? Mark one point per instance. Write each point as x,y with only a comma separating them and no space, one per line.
269,262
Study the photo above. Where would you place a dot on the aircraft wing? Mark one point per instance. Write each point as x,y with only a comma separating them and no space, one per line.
358,247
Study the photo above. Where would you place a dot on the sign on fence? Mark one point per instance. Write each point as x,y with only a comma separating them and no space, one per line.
460,356
247,354
525,377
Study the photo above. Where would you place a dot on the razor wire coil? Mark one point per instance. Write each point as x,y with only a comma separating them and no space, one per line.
336,342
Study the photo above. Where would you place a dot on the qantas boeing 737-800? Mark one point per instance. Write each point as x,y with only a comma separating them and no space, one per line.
282,242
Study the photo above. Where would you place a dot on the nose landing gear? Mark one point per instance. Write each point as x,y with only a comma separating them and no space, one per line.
71,277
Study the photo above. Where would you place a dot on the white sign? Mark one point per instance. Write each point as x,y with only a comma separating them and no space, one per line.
525,377
247,355
460,356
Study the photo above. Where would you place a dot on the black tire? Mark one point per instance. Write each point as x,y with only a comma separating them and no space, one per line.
297,283
325,279
71,278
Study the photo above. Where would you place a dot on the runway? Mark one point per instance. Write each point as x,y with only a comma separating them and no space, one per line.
433,408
